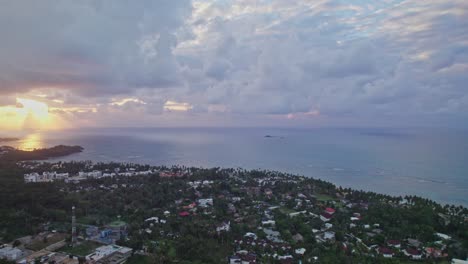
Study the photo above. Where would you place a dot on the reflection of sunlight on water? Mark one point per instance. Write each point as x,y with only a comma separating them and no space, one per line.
31,142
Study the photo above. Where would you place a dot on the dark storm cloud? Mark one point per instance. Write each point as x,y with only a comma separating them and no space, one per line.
90,47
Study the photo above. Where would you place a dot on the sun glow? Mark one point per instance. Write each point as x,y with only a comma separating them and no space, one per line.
28,114
37,109
31,142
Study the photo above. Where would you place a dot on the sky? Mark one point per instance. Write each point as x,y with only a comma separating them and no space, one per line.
158,63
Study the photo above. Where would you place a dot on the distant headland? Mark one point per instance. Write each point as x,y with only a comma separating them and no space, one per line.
8,139
8,153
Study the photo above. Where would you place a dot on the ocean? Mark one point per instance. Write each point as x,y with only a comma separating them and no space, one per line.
424,162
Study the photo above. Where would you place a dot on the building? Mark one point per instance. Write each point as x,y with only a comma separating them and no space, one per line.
111,254
459,261
325,217
32,177
394,243
300,251
10,253
205,202
412,253
386,252
224,227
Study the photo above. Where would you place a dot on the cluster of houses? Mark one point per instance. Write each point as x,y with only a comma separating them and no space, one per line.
45,177
50,176
265,234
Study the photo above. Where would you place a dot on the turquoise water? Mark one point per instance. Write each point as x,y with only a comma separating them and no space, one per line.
428,163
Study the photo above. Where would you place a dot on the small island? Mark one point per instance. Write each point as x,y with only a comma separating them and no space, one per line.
12,154
270,136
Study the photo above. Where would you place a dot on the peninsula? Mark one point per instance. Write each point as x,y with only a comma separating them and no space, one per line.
12,154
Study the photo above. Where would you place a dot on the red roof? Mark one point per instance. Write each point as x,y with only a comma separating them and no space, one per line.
330,210
393,242
184,213
327,215
385,251
413,251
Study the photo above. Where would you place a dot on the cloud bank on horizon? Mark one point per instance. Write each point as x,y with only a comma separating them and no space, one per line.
239,62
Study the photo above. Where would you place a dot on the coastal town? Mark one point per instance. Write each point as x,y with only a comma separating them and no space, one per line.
144,214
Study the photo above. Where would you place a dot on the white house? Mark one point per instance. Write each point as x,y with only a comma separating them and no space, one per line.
300,251
443,236
224,227
459,261
205,202
269,222
32,177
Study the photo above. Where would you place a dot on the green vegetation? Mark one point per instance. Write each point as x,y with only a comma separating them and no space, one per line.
139,259
44,242
241,198
82,249
324,197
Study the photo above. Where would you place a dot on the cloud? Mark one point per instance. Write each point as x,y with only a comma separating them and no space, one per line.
177,106
89,47
261,61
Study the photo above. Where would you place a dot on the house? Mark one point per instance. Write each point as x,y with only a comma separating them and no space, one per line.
249,258
298,238
394,243
152,219
294,214
190,206
330,210
10,253
251,235
287,259
224,227
412,253
443,236
328,236
414,242
184,213
434,252
325,217
459,261
300,251
268,222
268,192
386,252
205,202
31,177
235,260
109,254
272,235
